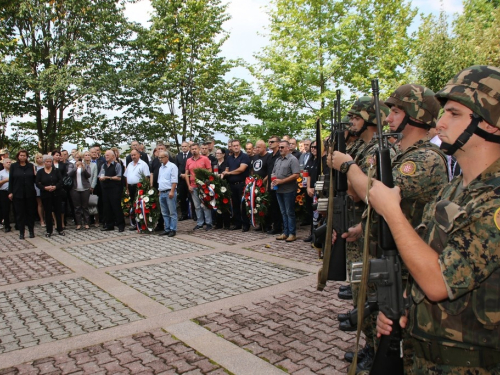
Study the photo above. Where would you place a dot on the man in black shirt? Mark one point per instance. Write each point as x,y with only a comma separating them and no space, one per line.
260,160
183,194
239,168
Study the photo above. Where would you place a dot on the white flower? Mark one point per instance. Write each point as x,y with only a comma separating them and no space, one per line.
212,186
256,190
258,199
211,193
151,192
223,189
247,203
146,199
150,219
254,210
257,205
219,211
150,229
141,217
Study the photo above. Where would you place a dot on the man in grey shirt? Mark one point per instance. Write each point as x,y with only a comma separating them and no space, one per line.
284,181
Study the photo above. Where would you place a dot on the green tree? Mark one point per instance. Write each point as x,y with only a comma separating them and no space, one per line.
67,55
180,83
317,46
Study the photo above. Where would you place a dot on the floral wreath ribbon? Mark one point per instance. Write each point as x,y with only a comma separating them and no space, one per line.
250,187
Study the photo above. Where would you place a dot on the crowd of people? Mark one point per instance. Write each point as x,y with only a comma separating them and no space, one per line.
59,186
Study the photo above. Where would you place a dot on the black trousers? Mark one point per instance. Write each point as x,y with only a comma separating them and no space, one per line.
52,204
111,202
274,217
132,192
240,219
5,204
184,197
25,209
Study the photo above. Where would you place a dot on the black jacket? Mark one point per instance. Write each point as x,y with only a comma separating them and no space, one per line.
54,178
181,163
22,180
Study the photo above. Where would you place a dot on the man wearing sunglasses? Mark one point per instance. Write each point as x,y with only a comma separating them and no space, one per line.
274,218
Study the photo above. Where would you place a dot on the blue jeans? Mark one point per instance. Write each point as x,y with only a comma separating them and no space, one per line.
203,214
169,210
286,202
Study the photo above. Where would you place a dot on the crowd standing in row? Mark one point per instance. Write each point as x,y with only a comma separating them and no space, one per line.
59,185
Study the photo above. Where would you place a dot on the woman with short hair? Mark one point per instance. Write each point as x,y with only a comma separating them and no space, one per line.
49,181
80,191
38,166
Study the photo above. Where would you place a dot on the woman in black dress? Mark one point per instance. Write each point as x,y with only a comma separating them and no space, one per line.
312,168
22,193
222,220
49,181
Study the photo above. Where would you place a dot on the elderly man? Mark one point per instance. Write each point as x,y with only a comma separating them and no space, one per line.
135,170
167,186
304,156
135,146
286,169
110,177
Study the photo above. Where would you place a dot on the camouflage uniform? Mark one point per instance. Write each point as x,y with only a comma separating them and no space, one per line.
461,335
364,157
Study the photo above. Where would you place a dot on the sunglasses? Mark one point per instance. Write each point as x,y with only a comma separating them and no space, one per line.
313,147
273,141
281,147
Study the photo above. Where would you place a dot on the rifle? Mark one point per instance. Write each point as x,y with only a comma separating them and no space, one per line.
385,272
334,258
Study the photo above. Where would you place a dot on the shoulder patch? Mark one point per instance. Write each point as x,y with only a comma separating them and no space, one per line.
408,168
496,218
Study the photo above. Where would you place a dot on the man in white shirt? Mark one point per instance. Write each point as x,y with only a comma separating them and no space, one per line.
135,170
167,185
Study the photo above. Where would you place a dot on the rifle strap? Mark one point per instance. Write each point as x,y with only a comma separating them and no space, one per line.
363,286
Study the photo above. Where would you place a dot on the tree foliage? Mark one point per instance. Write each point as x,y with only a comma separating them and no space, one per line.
320,45
65,56
180,83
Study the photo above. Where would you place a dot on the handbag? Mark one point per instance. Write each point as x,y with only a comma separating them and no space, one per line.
67,181
93,210
93,200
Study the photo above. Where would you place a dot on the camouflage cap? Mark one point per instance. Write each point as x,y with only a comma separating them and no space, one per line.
4,151
364,107
477,88
417,101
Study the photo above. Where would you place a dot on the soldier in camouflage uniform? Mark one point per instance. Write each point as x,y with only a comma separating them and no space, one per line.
455,264
364,125
419,168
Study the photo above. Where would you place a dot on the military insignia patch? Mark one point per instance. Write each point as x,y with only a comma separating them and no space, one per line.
496,219
370,160
408,168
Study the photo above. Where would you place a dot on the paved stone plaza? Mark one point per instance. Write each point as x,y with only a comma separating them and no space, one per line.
216,302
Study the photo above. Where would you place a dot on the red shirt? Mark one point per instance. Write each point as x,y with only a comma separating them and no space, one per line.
191,165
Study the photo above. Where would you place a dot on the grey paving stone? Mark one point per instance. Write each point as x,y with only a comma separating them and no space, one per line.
130,250
11,242
29,266
216,271
57,322
74,236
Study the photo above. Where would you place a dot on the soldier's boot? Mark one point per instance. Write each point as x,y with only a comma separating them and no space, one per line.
349,356
346,326
347,294
366,363
342,317
344,287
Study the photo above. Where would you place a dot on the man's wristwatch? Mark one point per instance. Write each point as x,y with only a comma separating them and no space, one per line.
344,167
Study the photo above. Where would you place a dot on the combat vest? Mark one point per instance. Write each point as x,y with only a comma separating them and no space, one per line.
472,320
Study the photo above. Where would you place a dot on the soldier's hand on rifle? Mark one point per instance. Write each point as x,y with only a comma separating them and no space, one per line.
384,325
353,233
337,159
385,200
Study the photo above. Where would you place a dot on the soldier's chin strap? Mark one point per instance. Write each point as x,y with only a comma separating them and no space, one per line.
408,121
473,128
363,128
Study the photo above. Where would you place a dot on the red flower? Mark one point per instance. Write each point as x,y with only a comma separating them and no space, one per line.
207,198
216,196
141,192
259,182
143,227
134,204
225,200
146,211
211,178
138,211
262,190
261,213
203,186
153,206
139,185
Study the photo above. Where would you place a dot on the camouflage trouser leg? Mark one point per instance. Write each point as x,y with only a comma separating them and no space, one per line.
423,367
